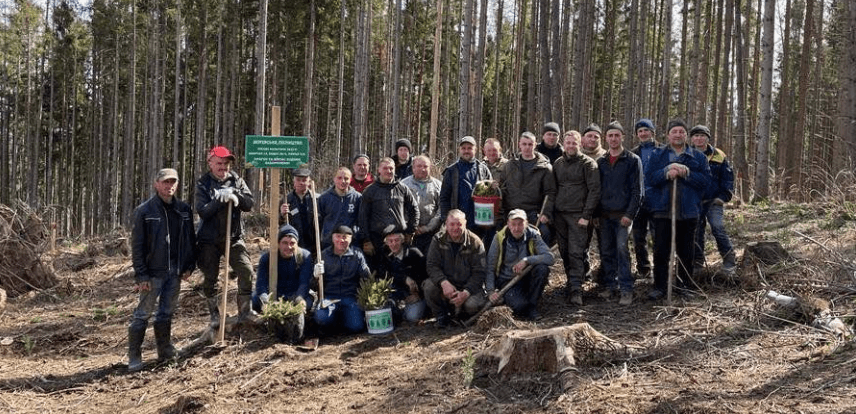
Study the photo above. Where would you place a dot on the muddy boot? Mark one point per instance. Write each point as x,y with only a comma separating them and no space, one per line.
245,312
162,336
135,343
729,263
214,311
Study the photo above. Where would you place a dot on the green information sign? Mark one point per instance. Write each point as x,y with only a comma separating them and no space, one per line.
276,152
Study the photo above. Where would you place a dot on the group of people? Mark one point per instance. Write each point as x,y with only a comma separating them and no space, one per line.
421,231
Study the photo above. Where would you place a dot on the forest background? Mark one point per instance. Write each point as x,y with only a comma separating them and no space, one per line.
96,96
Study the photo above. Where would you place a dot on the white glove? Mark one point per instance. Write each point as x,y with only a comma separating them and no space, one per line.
222,194
264,298
232,198
318,270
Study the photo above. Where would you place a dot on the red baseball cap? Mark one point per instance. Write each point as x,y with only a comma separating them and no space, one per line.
222,152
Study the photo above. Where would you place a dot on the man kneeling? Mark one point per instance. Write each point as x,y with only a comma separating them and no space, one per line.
456,270
518,248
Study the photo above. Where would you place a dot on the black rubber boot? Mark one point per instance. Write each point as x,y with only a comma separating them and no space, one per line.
162,336
135,343
214,311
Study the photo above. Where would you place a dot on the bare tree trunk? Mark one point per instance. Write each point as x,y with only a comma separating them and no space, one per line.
478,96
546,85
785,145
465,56
435,83
557,81
762,189
497,88
396,76
130,128
845,147
683,91
802,98
666,84
340,104
532,77
721,116
520,27
308,87
362,38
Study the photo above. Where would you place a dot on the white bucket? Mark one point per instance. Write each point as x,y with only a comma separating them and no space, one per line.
483,214
379,321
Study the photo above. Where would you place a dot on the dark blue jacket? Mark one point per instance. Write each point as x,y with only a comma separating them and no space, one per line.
621,185
722,176
151,246
335,210
411,264
292,278
644,150
212,213
342,274
449,198
691,189
301,217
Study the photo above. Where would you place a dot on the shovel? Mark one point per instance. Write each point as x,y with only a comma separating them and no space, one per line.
221,333
502,292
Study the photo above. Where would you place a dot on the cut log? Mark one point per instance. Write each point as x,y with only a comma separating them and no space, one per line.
550,351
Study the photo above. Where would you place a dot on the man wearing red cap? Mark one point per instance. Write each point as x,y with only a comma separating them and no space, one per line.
214,191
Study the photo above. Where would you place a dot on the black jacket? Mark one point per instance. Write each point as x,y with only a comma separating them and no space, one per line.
385,204
212,213
151,246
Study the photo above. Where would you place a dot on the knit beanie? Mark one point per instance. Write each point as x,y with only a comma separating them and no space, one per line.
615,125
404,142
700,129
644,123
593,127
287,230
551,127
677,122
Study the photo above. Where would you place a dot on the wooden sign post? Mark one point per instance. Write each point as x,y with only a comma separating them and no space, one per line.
275,152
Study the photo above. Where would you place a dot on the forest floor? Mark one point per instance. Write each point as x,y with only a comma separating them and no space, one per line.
725,350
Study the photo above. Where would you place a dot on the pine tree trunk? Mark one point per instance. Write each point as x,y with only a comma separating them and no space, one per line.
762,190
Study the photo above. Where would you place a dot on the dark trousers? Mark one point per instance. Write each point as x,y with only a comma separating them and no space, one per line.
239,260
572,239
684,234
641,226
523,297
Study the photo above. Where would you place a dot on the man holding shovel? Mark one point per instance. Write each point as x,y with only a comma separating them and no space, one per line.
220,192
514,248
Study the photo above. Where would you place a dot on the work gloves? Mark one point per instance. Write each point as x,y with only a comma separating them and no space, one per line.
226,195
318,270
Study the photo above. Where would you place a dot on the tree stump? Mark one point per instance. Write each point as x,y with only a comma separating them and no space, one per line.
542,351
768,252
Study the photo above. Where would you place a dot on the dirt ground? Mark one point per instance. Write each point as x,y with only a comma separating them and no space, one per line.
725,350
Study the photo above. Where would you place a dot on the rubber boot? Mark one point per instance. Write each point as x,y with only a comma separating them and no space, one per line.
162,336
729,263
135,343
214,311
246,314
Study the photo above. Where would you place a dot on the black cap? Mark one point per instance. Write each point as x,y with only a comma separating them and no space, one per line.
700,129
677,122
343,230
301,172
551,127
593,127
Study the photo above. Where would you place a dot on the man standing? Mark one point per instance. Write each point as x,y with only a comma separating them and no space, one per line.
719,192
343,267
456,268
647,144
459,180
549,145
162,243
403,159
681,162
592,148
293,271
426,190
214,190
621,191
362,178
385,204
493,157
516,247
578,196
299,208
338,206
527,182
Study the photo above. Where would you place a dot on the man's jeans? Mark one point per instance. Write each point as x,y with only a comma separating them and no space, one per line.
346,314
167,289
525,294
615,255
711,213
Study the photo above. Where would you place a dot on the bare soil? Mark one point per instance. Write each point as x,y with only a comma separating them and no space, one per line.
724,350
